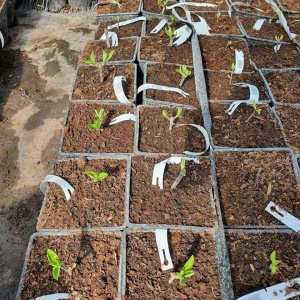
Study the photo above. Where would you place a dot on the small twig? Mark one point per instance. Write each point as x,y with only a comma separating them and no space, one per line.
107,37
250,117
257,176
178,179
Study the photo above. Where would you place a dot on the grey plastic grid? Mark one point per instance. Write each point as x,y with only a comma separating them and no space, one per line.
126,195
105,101
286,10
68,233
96,155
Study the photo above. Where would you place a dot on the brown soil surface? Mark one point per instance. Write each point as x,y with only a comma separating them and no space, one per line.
285,86
152,7
250,259
134,29
146,278
222,25
248,181
96,274
155,136
290,5
293,23
218,55
262,5
88,85
124,51
128,6
290,118
151,23
264,56
218,90
93,204
177,54
112,139
267,31
188,204
162,74
233,131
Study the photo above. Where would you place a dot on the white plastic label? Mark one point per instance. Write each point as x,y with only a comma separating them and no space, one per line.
161,236
118,88
202,28
277,47
191,4
52,297
108,1
159,26
148,86
113,36
2,39
124,117
258,24
239,62
159,169
66,187
127,22
283,216
281,291
182,34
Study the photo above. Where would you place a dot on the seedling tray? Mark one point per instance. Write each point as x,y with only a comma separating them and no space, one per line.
284,9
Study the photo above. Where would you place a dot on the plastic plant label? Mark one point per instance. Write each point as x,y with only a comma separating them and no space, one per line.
202,28
182,34
109,1
161,236
52,297
2,39
277,47
191,4
204,132
239,62
281,291
118,88
124,117
282,19
159,169
148,86
258,24
113,36
127,22
66,187
283,216
159,26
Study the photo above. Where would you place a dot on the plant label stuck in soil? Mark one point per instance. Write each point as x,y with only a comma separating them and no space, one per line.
124,117
113,36
118,88
148,86
283,216
258,24
159,26
161,236
201,27
66,187
182,34
239,62
126,22
53,297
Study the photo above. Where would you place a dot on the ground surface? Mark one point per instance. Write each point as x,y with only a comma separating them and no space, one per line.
37,69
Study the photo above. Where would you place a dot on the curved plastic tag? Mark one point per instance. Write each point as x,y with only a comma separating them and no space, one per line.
127,22
182,34
113,36
258,24
53,297
2,39
191,4
239,62
159,169
161,237
66,187
159,26
124,117
202,28
148,86
118,88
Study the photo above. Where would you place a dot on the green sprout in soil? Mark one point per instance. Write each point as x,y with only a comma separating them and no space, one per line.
232,70
97,123
185,272
172,20
181,174
229,43
162,4
92,61
274,262
218,14
184,73
256,110
54,262
172,119
96,176
278,38
170,32
106,56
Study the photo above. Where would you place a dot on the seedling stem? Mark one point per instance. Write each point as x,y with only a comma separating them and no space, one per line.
185,272
184,73
172,119
181,174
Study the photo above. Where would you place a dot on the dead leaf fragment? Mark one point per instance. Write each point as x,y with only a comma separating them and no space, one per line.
269,189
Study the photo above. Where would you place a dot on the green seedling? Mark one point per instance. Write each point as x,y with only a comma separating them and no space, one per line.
170,32
233,65
185,272
255,110
54,262
96,176
181,174
172,20
172,119
184,74
92,61
278,38
274,262
218,15
106,56
97,123
229,43
162,4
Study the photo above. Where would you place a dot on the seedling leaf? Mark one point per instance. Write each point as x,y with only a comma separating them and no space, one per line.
182,163
189,264
56,272
106,56
92,61
96,176
165,114
54,262
179,113
274,262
